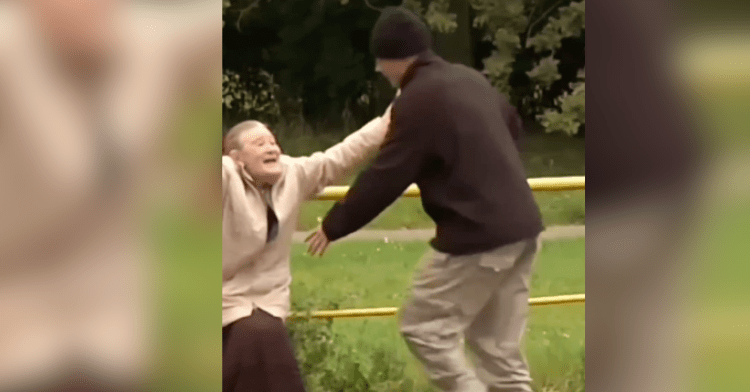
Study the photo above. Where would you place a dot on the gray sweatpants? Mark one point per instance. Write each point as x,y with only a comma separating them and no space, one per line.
482,299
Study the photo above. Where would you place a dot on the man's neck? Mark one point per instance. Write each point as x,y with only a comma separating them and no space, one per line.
410,69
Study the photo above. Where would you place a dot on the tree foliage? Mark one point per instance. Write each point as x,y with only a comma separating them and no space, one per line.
251,96
317,50
528,38
570,112
318,54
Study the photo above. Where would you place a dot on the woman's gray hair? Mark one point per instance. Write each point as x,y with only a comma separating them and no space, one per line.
233,138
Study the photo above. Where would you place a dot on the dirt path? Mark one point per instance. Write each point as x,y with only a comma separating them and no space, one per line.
406,235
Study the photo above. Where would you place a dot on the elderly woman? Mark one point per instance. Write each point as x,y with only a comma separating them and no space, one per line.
262,193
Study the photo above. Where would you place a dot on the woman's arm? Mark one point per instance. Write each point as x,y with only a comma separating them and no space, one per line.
243,231
224,178
326,168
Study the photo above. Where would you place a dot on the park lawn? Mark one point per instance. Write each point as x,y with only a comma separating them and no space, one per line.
544,155
188,286
378,274
719,310
557,208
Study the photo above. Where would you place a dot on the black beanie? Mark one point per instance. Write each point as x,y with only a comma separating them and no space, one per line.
399,34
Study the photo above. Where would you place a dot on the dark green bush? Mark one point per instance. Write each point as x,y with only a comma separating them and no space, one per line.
330,365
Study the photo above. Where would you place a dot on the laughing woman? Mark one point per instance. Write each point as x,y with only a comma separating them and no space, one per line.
262,193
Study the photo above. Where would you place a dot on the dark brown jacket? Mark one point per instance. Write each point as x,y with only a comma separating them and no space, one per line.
448,135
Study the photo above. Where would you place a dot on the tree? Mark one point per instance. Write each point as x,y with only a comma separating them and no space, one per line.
528,38
570,114
318,54
251,96
316,50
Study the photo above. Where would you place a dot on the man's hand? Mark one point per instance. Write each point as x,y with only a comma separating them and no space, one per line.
318,243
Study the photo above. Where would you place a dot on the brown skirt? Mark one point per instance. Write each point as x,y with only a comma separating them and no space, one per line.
258,356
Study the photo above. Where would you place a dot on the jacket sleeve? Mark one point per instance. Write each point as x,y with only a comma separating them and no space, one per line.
224,179
398,164
236,252
322,169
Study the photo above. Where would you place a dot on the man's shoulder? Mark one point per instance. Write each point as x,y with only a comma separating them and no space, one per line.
443,80
422,92
465,73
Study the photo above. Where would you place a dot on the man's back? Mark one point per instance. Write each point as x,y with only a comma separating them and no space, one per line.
475,185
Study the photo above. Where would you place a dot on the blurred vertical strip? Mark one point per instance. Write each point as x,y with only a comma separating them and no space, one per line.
715,59
667,200
109,210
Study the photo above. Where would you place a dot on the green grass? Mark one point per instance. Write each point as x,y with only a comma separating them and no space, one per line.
557,208
543,156
720,307
371,274
189,283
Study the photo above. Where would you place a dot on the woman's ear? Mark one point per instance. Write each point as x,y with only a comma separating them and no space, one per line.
234,154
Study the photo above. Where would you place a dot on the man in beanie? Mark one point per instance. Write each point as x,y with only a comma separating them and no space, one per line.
448,135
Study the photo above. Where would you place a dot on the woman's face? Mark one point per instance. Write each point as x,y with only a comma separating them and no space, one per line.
259,155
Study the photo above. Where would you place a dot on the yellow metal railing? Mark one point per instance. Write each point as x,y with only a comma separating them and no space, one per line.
375,312
544,184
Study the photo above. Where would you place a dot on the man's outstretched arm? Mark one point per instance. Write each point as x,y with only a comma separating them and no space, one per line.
397,165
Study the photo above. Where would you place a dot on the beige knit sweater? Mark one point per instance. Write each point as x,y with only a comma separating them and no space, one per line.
256,274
